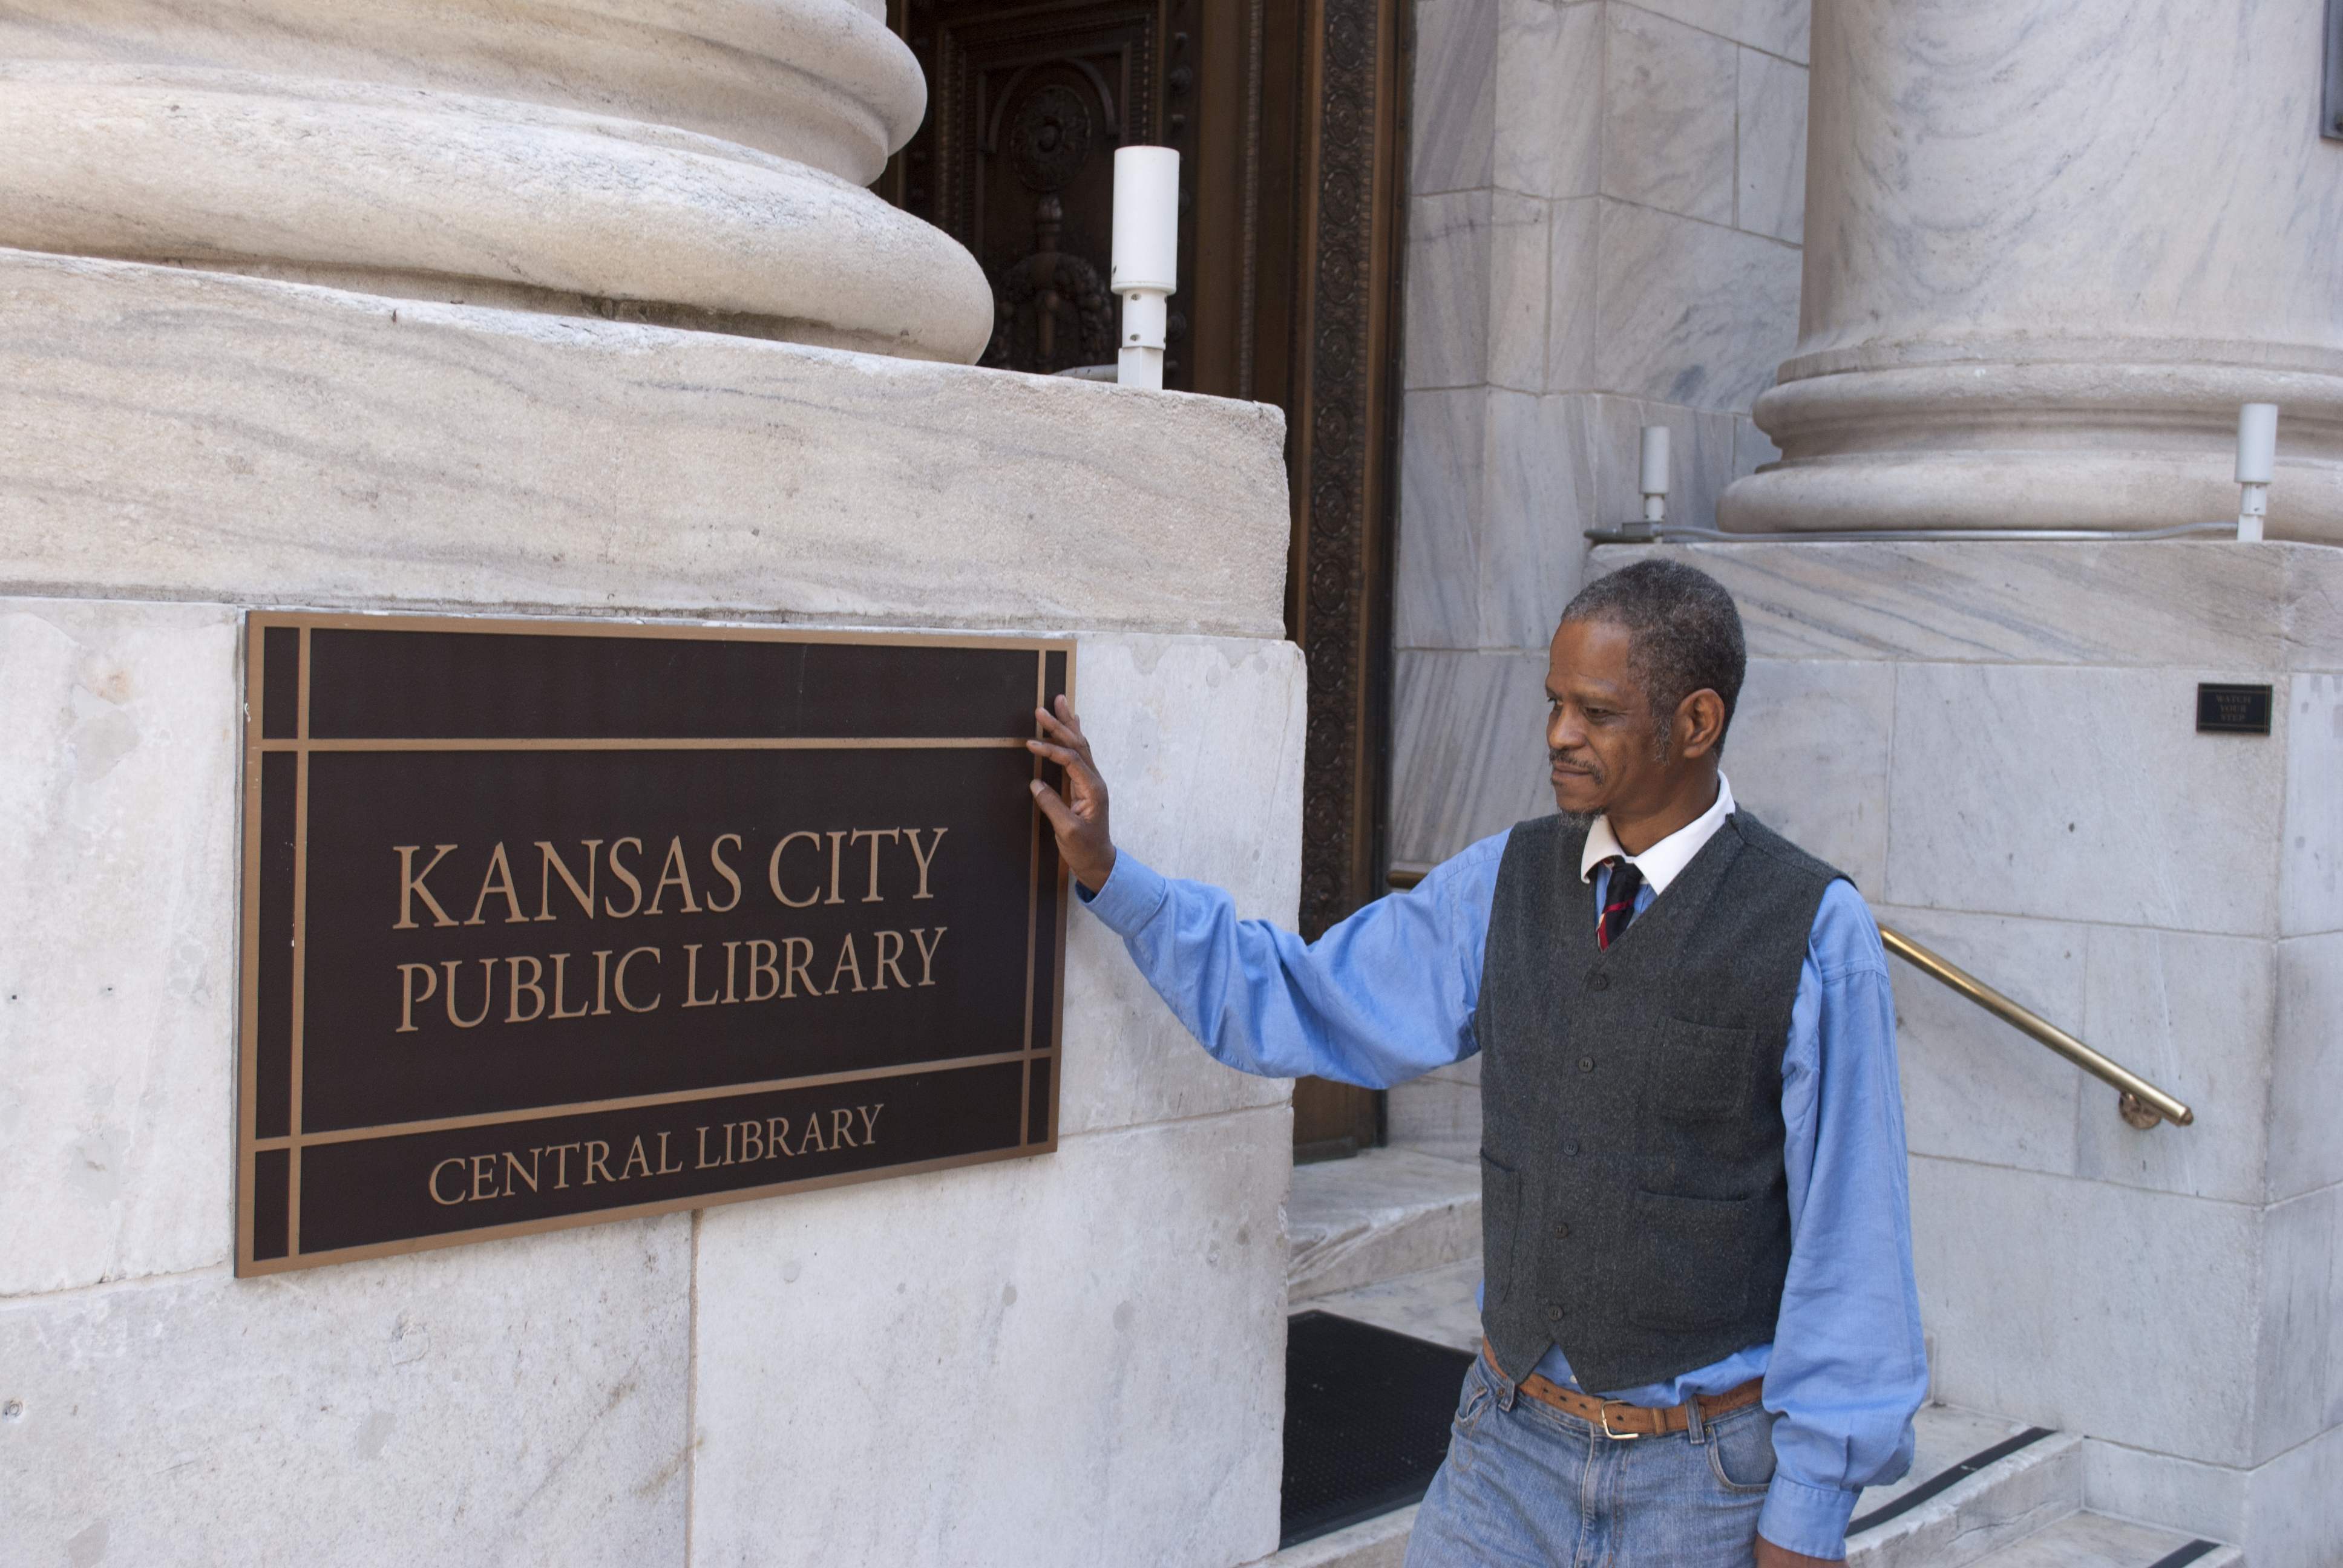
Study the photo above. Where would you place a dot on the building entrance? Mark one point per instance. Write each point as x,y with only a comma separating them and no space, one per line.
1289,117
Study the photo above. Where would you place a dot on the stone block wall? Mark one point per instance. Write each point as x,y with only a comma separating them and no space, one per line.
1603,233
937,1369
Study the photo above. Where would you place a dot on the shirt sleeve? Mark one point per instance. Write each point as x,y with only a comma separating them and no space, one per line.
1385,996
1848,1367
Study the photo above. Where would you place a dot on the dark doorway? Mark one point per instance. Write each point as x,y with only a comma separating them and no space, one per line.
1290,118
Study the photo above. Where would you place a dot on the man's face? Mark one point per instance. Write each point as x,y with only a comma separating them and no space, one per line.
1598,728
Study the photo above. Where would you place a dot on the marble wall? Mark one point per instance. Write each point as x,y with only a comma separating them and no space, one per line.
1998,743
1603,229
940,1369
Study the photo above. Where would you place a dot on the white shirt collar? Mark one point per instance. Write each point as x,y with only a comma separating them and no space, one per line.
1666,860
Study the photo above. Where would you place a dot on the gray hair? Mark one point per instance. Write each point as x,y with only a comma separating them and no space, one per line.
1684,635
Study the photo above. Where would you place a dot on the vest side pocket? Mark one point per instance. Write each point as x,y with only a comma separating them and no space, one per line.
1703,1072
1500,1210
1696,1257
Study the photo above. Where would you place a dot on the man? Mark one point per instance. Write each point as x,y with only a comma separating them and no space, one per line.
1702,1334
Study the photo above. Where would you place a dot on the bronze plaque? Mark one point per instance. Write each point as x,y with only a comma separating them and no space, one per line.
549,923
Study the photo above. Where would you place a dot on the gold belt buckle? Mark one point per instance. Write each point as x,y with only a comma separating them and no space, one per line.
1603,1420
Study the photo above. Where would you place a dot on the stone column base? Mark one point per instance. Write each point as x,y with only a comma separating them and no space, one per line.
1997,444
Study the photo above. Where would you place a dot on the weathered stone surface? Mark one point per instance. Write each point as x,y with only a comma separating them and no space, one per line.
1200,742
820,81
1975,1087
1797,722
2306,1132
2310,863
1438,1114
1075,1360
703,163
2049,1331
118,974
517,1401
1441,1304
1969,740
435,198
2188,603
195,435
1469,756
1387,1212
2291,1509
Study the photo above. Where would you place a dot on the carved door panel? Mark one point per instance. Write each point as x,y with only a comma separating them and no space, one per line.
1026,105
1289,118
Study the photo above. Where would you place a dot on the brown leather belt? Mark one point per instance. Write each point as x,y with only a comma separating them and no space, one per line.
1622,1420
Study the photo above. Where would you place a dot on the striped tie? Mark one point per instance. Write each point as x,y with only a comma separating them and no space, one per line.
1618,901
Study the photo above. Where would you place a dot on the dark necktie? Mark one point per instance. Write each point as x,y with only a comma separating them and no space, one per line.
1618,901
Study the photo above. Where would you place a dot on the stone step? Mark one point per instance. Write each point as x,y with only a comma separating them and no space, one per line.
1372,1543
1385,1214
1441,1304
2100,1541
1976,1484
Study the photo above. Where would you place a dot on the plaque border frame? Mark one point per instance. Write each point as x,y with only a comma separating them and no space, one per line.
251,683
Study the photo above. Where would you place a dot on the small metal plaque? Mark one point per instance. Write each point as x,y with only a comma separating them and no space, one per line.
2233,709
547,923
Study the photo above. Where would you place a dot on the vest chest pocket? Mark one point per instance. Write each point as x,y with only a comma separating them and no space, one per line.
1703,1072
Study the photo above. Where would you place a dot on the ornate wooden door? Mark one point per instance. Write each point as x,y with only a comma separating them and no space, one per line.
1290,118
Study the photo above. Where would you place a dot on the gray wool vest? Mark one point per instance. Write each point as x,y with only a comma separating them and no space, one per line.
1635,1210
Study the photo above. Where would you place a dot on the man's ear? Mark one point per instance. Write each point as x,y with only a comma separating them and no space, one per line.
1699,724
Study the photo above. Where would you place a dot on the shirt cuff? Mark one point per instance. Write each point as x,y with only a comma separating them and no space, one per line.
1809,1519
1133,894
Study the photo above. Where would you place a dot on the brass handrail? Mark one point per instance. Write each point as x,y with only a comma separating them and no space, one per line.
2138,1101
2141,1103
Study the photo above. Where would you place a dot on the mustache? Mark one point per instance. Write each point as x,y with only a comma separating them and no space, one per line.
1584,760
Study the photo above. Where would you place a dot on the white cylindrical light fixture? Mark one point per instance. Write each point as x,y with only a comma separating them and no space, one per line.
1146,265
2257,464
1655,472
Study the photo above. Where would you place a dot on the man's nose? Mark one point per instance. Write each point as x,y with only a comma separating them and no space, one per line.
1562,731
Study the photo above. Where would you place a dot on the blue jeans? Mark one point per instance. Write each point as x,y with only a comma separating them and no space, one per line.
1526,1486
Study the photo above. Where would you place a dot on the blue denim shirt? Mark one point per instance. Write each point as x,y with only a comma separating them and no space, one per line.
1389,994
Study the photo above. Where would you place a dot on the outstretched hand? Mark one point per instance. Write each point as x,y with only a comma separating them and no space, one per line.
1080,814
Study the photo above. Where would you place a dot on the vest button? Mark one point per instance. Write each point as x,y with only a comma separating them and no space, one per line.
1554,1312
1569,1146
1599,982
1560,1232
1586,1064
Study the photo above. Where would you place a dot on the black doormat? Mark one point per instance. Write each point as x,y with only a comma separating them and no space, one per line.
1366,1421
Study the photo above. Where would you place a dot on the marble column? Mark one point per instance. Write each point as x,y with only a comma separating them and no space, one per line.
2050,249
684,163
